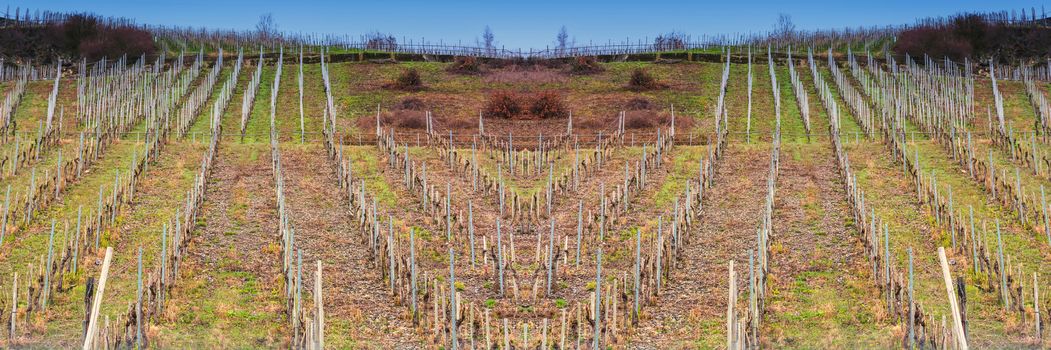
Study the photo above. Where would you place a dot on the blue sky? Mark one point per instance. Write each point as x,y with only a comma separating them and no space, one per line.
524,24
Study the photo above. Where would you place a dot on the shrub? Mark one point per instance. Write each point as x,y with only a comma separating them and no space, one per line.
548,105
639,120
88,37
585,65
29,43
408,80
642,80
117,42
550,63
401,119
504,105
498,63
461,124
638,104
78,36
971,35
380,41
635,121
465,65
75,30
589,123
410,104
517,105
410,121
669,41
933,42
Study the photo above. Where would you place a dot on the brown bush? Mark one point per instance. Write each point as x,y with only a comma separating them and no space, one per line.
500,63
585,65
465,65
638,104
551,63
670,41
117,42
521,105
410,104
504,105
408,80
648,119
972,35
642,81
684,123
461,124
369,123
397,118
410,121
934,42
79,35
380,41
548,105
589,124
639,120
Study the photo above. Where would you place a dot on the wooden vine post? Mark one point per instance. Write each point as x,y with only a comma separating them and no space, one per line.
957,328
93,325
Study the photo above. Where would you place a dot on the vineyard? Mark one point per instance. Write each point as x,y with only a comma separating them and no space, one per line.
716,195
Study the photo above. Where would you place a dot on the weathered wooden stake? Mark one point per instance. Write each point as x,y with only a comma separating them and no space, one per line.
507,336
957,329
499,257
580,228
1036,305
562,341
660,251
470,228
550,256
14,305
319,302
731,301
638,275
46,293
598,298
452,298
912,305
412,273
1003,268
89,338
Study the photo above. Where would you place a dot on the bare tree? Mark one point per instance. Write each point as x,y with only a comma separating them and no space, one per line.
562,40
266,28
380,41
785,29
669,41
488,40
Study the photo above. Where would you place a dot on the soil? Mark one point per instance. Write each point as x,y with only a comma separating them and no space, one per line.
815,243
239,236
695,296
355,296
